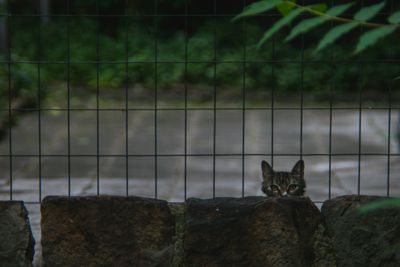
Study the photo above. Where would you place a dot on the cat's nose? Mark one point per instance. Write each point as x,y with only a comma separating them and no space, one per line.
284,194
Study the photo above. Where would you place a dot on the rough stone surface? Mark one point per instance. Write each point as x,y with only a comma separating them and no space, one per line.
178,210
16,240
252,231
371,239
106,231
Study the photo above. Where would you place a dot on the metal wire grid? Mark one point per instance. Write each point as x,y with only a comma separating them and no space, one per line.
215,61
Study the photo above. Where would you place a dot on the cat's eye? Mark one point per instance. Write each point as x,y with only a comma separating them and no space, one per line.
274,188
292,187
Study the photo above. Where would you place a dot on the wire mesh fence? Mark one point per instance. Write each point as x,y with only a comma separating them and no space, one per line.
154,136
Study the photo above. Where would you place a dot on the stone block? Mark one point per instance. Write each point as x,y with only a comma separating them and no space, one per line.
106,231
16,239
370,239
255,231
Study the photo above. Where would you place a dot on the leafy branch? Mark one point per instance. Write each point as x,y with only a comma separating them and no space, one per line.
290,10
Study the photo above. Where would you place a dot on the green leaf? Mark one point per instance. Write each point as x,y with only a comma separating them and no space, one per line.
285,7
308,24
279,24
304,26
368,12
337,10
334,34
257,8
378,204
371,37
395,17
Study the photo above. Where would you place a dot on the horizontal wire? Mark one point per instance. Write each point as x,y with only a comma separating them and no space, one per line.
131,15
261,61
137,15
202,155
194,109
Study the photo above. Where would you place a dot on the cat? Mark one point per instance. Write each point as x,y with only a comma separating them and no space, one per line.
279,184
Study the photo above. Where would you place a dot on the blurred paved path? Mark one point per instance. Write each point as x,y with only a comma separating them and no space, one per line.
199,169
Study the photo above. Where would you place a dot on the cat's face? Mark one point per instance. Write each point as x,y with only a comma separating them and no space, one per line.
278,184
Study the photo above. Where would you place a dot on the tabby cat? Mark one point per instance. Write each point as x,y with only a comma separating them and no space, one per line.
278,184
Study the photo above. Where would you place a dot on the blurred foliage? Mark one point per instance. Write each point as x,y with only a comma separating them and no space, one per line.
379,204
82,40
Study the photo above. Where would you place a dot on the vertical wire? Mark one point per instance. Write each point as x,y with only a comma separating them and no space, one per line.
126,98
215,95
39,104
389,127
155,97
359,135
361,70
330,141
389,137
69,95
330,121
244,98
98,99
9,99
301,93
273,97
186,98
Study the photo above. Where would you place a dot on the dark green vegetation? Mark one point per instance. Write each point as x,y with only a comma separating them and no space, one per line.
68,49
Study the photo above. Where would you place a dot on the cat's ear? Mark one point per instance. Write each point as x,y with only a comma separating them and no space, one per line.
266,170
299,168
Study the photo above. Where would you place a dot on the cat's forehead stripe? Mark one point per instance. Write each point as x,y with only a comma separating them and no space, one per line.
280,177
